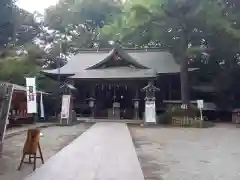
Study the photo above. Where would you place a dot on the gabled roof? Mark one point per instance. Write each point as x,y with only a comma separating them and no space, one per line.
82,64
123,54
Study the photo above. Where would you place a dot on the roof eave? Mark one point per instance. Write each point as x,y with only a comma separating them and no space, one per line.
111,78
46,72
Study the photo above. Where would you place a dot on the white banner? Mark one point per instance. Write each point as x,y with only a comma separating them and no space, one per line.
31,95
65,106
42,106
150,112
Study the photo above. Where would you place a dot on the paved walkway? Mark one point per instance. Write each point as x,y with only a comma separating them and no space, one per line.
104,152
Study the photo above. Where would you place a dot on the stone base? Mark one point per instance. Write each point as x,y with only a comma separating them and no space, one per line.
65,122
145,124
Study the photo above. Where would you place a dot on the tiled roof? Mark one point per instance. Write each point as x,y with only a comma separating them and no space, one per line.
159,61
114,73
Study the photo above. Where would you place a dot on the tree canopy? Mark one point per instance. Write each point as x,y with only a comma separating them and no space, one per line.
6,23
203,34
188,28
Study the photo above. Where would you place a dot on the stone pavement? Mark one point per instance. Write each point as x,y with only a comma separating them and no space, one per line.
53,140
104,152
189,153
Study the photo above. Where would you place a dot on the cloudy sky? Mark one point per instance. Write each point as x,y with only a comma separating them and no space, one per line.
35,5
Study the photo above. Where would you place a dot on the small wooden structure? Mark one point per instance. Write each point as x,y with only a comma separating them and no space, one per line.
31,147
18,106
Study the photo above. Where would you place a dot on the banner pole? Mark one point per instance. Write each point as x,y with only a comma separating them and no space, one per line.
201,115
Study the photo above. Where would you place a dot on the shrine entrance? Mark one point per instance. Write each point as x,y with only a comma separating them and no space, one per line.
114,101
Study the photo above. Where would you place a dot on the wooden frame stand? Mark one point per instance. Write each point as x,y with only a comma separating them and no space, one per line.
31,147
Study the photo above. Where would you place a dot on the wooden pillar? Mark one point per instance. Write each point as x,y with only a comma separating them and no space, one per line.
169,90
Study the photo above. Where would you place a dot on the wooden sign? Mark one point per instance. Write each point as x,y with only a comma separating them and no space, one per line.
150,111
66,111
200,104
31,147
65,106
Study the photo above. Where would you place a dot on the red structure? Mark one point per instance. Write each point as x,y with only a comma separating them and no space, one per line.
18,112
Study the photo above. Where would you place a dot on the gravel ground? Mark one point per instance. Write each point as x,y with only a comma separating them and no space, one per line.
53,140
188,154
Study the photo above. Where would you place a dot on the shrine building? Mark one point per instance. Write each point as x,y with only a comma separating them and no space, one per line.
113,83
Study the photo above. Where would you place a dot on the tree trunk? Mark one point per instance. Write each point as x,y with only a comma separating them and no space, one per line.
184,80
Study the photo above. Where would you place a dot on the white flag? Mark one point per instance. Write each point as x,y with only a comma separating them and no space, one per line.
31,95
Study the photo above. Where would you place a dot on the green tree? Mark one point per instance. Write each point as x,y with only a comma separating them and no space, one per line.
6,23
185,27
78,20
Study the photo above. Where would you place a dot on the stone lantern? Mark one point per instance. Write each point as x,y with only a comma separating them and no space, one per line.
136,108
91,104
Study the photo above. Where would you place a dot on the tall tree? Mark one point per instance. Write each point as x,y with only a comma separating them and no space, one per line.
6,22
79,20
182,26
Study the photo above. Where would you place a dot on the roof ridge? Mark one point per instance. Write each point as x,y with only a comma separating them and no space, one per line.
105,50
122,53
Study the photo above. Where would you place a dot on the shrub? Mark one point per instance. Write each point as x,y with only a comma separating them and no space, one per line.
166,117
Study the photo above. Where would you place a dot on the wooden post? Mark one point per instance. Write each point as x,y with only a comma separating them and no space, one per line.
169,90
31,147
6,91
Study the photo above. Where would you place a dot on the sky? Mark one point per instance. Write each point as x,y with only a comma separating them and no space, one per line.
35,5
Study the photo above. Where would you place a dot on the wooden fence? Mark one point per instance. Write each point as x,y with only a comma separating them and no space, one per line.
187,122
